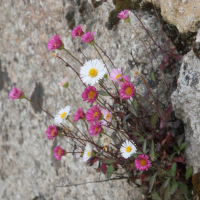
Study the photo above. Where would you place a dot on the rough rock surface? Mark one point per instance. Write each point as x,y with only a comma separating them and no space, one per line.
27,165
184,14
186,104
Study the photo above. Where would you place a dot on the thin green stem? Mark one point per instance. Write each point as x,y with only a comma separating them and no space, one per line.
73,97
73,56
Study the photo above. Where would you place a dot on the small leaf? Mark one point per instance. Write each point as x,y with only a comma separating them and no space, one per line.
166,183
162,124
126,117
165,58
173,169
145,146
177,57
155,196
162,65
135,104
175,148
174,187
104,168
148,178
99,142
136,134
183,188
152,181
110,170
132,110
172,156
108,161
154,119
167,193
103,93
168,112
153,77
167,43
189,173
183,145
152,149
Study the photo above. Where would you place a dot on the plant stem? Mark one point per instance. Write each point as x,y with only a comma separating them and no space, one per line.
73,97
73,56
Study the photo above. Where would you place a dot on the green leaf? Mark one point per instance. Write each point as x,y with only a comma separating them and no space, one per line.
175,148
99,142
183,145
145,146
180,141
153,77
141,139
174,187
110,170
132,110
148,178
154,119
103,93
152,181
183,188
167,193
135,104
157,155
152,149
166,183
189,173
155,195
136,134
172,156
173,169
108,161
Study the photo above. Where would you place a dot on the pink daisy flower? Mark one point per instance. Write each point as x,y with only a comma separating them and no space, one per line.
123,14
124,80
15,93
51,132
93,114
95,129
77,31
88,38
127,90
107,115
64,83
89,94
59,152
79,114
142,162
55,43
79,152
116,74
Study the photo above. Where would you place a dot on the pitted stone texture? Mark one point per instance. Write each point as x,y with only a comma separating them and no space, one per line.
186,103
28,167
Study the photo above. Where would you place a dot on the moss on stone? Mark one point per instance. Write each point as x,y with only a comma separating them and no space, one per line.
96,3
70,19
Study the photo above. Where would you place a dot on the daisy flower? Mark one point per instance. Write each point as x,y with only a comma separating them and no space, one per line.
95,129
107,115
55,43
142,162
59,152
93,114
87,153
88,38
89,94
79,114
16,93
124,15
127,90
64,83
92,71
116,74
124,80
127,149
79,152
77,31
51,132
62,115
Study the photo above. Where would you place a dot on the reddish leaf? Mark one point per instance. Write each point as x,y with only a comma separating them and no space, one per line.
168,112
104,168
142,177
167,43
93,160
165,58
115,166
177,57
162,65
168,137
162,124
179,159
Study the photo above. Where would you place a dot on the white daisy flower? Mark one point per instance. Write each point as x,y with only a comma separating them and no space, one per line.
87,153
92,71
127,149
62,115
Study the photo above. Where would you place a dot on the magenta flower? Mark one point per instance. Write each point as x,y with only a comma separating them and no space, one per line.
107,115
89,94
127,90
93,114
88,38
79,114
116,74
51,132
142,162
55,43
95,129
77,31
64,83
15,93
123,14
59,152
124,80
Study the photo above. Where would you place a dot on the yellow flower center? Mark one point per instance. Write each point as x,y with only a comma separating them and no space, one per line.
107,116
96,129
93,72
128,90
59,152
118,76
128,149
95,114
55,44
78,31
91,94
143,162
63,115
52,132
88,153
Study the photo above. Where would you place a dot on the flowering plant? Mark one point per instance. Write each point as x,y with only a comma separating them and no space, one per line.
132,131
